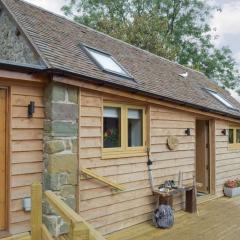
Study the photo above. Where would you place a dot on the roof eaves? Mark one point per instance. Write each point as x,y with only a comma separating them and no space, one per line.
21,28
37,68
134,90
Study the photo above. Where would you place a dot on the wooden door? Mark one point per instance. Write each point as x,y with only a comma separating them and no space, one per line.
202,156
2,159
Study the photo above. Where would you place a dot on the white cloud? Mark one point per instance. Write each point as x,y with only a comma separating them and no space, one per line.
227,21
226,25
234,94
50,5
237,56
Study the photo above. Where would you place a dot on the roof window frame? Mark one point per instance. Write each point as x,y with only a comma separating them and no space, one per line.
87,50
229,105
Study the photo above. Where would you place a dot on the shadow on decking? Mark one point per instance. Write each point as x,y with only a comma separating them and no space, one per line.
218,219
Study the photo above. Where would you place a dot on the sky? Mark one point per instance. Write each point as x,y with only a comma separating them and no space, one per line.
50,5
227,24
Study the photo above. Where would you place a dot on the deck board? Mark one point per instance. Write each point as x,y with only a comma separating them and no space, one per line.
218,220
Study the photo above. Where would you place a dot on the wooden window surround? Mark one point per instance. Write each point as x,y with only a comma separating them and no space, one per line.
125,126
234,137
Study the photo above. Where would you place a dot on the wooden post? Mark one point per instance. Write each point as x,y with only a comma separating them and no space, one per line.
36,213
79,231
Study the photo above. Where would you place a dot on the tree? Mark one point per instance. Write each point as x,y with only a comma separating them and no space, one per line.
175,29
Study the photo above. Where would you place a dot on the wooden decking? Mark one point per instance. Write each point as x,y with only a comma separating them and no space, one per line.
218,219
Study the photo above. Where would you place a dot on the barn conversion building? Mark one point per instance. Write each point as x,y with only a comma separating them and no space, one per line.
74,100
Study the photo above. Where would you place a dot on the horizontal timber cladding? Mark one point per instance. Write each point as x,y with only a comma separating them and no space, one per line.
227,160
110,212
27,149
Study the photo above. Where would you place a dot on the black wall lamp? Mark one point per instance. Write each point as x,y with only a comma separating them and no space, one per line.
188,132
224,132
31,109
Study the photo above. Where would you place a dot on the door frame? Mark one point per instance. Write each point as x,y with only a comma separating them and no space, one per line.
7,154
211,155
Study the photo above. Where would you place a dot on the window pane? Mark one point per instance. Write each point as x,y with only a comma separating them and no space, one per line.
112,127
238,136
230,136
106,61
135,128
221,98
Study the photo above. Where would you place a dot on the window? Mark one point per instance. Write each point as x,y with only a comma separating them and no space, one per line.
220,98
106,62
135,127
234,137
230,136
123,130
237,135
112,127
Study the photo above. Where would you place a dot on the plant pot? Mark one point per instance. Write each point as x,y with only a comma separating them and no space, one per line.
231,192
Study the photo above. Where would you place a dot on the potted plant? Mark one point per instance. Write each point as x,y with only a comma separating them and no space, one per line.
111,138
232,188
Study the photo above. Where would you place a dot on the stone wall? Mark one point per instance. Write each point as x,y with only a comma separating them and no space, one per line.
14,47
60,150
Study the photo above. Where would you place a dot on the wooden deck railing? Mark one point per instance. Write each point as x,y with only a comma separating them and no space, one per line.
79,228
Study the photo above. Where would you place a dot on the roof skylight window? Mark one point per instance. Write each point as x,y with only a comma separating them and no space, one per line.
106,62
220,98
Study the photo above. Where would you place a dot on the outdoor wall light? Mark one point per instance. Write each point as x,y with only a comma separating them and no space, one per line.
27,205
224,132
31,109
188,132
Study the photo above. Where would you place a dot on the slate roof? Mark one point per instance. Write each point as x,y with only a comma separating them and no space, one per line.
57,40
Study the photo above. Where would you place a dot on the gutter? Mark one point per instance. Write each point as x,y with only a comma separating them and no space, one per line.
13,66
23,67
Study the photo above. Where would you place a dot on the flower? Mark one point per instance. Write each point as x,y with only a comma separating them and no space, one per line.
232,183
109,132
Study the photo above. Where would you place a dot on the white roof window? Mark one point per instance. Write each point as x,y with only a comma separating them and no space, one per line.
220,98
106,62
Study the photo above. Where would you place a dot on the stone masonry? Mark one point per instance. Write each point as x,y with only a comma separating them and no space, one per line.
60,150
14,46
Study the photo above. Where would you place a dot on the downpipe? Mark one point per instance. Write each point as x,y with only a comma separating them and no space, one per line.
150,174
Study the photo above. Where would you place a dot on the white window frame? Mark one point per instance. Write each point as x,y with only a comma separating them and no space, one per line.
88,50
221,99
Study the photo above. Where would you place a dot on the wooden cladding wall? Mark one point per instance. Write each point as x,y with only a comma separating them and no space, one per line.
167,164
227,160
26,152
110,212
